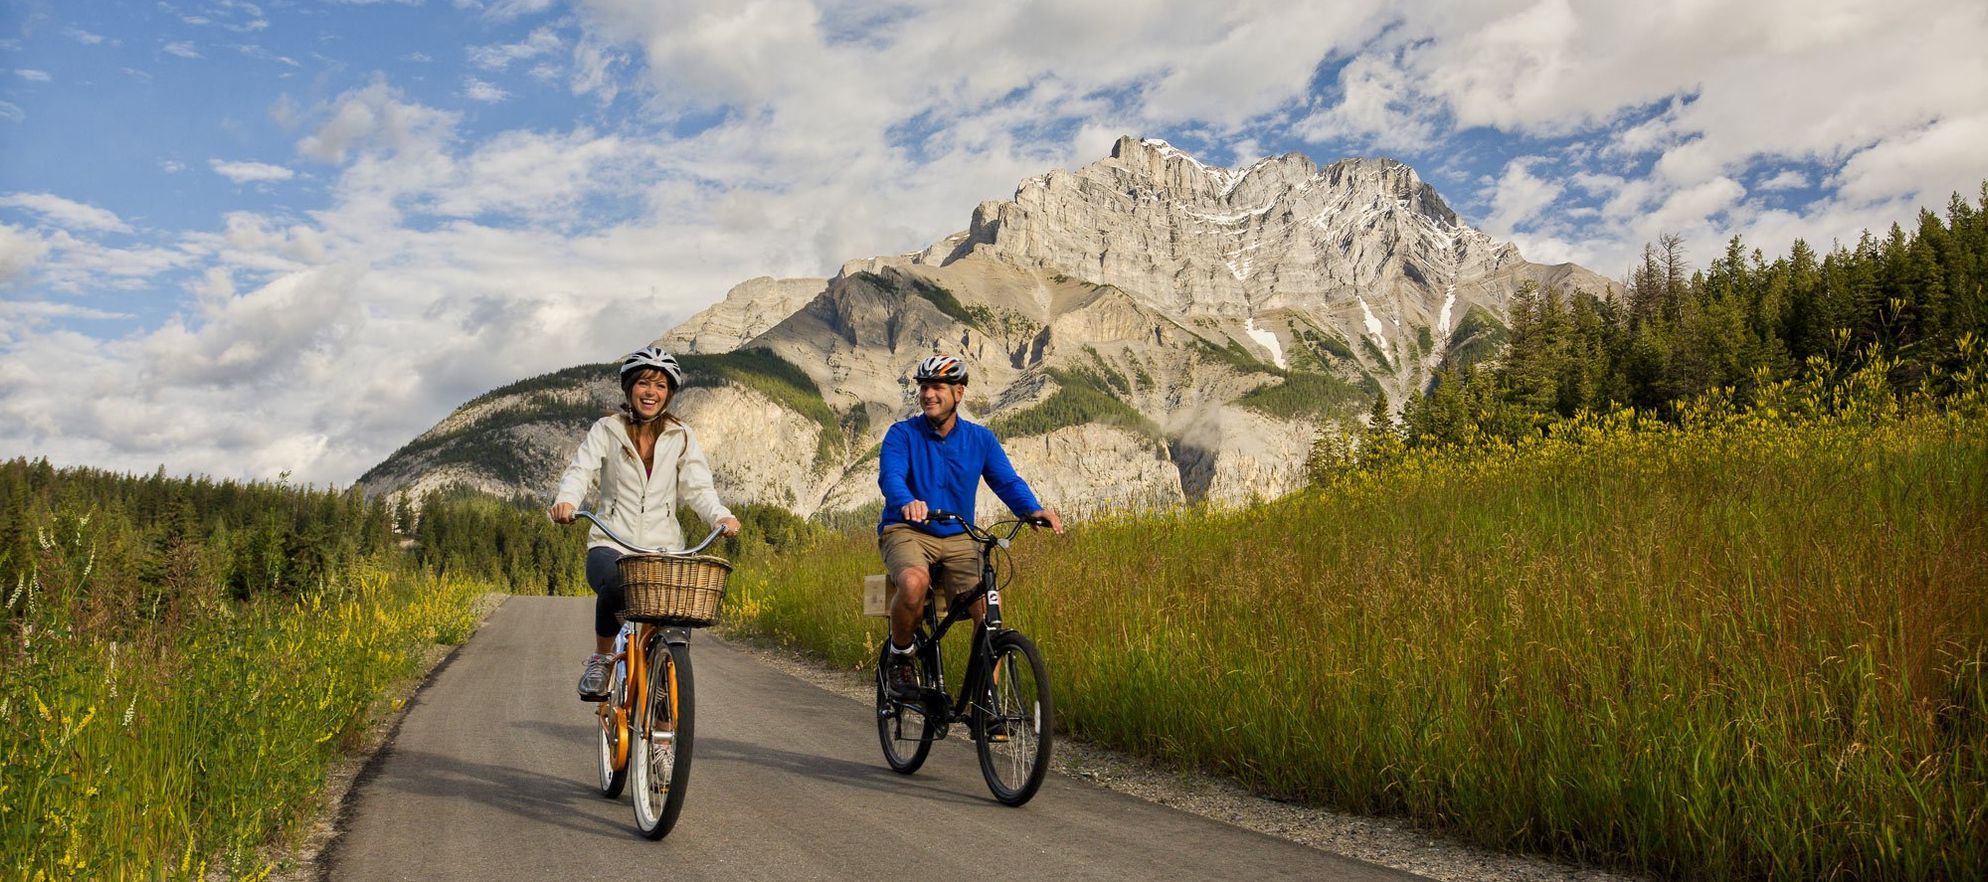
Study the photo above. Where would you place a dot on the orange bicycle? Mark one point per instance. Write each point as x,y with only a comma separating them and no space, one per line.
647,723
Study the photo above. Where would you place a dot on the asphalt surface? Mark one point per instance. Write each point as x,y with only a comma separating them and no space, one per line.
490,778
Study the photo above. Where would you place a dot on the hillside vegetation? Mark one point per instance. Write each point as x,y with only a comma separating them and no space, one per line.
1740,645
183,660
1916,299
1693,583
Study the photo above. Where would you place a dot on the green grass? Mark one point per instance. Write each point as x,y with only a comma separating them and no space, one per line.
1751,648
181,751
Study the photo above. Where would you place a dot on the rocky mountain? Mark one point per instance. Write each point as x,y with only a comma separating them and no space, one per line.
1143,330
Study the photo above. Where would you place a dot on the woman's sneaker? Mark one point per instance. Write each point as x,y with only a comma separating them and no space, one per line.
593,677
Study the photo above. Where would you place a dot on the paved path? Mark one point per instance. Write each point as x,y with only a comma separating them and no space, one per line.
491,779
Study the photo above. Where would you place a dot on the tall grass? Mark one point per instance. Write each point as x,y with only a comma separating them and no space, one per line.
1749,646
177,750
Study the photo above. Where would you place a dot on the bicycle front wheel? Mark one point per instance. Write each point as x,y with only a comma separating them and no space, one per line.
663,730
904,728
1013,722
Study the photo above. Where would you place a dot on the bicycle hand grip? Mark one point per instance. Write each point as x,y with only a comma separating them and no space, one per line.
940,514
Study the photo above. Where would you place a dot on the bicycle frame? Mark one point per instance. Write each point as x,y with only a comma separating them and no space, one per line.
980,653
624,719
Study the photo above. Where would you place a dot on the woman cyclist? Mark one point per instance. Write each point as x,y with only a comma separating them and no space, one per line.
647,460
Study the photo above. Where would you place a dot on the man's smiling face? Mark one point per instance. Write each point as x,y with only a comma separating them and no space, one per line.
939,400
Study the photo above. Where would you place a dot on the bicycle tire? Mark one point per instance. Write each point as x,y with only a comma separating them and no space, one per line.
1015,694
665,732
904,755
612,732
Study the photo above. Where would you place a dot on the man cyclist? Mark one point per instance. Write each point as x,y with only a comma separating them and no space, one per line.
936,460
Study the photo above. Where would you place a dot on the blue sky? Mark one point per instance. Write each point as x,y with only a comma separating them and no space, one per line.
245,238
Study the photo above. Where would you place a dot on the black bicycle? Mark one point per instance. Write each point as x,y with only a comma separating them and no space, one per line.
1004,694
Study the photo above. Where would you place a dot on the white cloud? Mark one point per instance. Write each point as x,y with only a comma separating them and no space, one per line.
85,37
372,120
182,49
1520,196
509,9
32,75
66,213
1379,106
11,112
478,90
498,57
20,251
250,172
1786,179
785,136
38,311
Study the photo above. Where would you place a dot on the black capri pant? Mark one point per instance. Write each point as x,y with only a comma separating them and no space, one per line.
609,597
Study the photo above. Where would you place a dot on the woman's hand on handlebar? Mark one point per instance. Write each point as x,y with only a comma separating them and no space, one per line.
730,526
562,513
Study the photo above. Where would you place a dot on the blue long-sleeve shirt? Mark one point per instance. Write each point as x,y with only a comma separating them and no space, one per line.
945,472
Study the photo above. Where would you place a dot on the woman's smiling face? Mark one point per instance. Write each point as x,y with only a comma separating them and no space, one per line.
649,394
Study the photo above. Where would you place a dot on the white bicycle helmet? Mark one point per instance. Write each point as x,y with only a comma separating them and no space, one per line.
651,357
942,368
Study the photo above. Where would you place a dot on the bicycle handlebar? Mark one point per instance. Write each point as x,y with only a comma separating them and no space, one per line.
641,550
982,534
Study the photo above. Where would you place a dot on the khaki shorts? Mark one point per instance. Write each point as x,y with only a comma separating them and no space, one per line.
905,547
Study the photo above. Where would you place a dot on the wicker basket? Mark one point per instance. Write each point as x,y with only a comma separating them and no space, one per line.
666,589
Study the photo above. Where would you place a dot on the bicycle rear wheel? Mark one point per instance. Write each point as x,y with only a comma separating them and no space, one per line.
663,735
611,730
1013,722
904,729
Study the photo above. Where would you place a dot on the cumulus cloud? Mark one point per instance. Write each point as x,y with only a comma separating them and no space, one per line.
250,172
478,90
785,136
39,311
66,213
373,120
542,41
20,250
1520,196
1786,179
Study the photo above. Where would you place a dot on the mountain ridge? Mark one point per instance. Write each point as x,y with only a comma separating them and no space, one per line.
1146,329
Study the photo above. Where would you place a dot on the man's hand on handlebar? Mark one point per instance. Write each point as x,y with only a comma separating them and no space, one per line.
1049,514
915,511
562,513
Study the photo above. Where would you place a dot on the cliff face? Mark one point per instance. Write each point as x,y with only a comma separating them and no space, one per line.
1144,330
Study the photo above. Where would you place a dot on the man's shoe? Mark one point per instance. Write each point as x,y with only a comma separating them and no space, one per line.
593,677
901,675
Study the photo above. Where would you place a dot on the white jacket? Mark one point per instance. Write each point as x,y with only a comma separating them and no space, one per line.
641,507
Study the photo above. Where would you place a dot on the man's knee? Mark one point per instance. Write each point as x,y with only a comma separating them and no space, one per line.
912,583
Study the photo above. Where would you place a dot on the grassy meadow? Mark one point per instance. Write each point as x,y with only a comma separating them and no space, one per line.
1737,646
180,746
